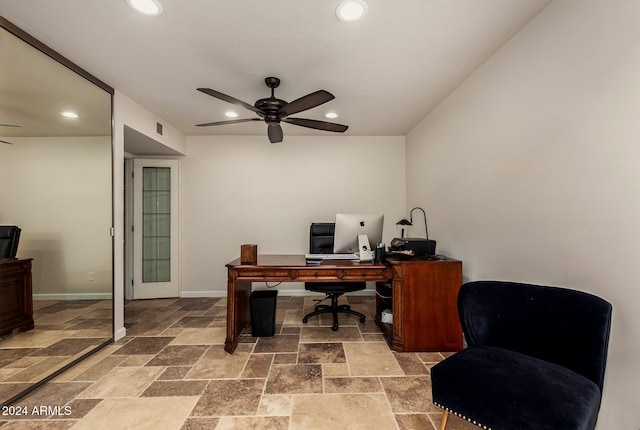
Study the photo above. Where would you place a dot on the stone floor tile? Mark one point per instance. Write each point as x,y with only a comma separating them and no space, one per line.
409,394
144,413
225,397
321,353
341,411
294,379
371,359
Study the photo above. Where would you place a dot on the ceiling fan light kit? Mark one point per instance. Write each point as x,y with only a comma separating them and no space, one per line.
273,110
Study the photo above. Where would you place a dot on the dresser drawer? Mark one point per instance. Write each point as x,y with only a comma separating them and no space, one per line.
317,274
264,273
363,274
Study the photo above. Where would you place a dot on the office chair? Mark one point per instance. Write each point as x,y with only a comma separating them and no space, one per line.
9,238
321,242
535,359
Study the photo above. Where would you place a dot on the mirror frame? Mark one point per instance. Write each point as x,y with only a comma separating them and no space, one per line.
30,40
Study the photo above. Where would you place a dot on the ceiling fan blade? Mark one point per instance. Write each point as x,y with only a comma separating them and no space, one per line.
318,125
306,102
9,125
274,130
4,141
232,121
229,99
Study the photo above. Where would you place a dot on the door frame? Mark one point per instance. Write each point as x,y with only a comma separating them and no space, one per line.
129,222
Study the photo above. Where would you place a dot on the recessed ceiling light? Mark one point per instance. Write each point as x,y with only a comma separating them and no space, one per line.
69,114
231,114
147,7
351,10
331,115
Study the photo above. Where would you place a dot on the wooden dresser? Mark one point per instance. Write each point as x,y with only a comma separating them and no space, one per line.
16,300
422,295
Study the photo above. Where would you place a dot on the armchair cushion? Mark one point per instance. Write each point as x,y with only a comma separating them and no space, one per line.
515,391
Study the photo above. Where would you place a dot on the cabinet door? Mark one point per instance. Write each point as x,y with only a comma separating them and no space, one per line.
429,306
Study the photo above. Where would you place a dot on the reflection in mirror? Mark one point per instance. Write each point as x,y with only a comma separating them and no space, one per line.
56,174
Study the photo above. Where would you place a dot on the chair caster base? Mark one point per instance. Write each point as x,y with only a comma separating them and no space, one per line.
334,309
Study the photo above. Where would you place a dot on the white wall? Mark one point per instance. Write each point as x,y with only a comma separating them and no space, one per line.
129,113
242,189
529,171
58,190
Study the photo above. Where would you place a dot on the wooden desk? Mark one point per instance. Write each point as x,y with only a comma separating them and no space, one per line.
285,268
16,299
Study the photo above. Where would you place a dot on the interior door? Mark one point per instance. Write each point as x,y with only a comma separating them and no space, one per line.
156,229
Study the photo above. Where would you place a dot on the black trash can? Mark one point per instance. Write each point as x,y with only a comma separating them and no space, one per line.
263,312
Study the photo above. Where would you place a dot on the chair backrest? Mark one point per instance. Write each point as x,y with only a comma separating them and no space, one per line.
9,238
321,242
321,237
567,327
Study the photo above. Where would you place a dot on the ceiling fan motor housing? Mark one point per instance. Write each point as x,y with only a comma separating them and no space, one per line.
272,82
270,107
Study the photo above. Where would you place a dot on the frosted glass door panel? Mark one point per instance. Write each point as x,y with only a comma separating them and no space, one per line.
156,224
155,271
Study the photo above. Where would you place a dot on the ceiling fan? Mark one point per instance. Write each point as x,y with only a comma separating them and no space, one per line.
7,125
273,110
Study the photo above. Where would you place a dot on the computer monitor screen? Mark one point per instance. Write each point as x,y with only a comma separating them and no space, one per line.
349,226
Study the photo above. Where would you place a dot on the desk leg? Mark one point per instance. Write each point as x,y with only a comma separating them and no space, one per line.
238,317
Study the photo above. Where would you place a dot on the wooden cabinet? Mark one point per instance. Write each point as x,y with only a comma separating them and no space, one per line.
16,301
422,296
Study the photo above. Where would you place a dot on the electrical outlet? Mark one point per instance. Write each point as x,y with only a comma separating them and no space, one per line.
91,276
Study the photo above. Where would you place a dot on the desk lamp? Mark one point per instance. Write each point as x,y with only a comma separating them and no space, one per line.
415,246
403,222
409,221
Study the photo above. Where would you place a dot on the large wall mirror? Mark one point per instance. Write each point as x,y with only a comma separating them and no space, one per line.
56,176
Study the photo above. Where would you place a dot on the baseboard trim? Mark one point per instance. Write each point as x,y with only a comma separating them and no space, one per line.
293,293
73,296
202,294
119,334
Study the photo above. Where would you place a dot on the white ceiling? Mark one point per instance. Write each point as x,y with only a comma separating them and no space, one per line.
387,71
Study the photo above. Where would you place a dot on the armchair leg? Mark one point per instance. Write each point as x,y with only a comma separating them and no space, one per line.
443,424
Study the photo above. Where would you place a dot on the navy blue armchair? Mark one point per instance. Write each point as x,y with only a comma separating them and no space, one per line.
535,358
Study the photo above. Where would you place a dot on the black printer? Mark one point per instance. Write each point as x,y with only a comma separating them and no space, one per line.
413,246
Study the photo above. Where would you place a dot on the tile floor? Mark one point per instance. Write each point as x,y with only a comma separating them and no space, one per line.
63,332
171,372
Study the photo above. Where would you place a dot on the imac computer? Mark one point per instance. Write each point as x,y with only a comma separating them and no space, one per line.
358,233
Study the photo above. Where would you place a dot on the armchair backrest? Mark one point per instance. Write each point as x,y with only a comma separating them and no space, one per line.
9,238
566,327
